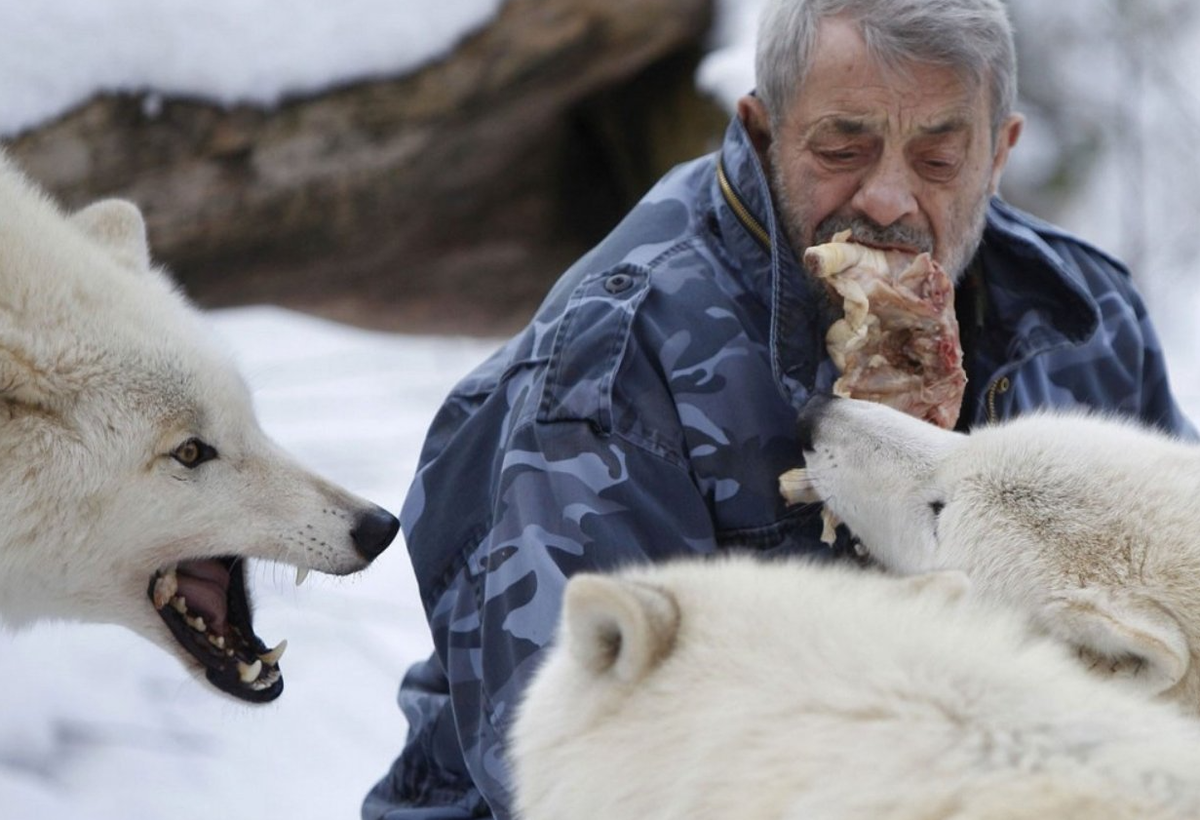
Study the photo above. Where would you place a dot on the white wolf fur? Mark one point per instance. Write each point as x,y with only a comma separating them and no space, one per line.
109,383
788,691
1088,524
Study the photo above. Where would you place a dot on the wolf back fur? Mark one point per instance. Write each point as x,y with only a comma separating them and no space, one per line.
735,688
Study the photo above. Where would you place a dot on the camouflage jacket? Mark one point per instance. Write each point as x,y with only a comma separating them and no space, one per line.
647,411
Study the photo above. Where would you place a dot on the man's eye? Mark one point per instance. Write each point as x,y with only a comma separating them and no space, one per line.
193,452
939,170
847,157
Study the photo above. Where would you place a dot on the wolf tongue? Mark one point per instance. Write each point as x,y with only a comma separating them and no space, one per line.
205,586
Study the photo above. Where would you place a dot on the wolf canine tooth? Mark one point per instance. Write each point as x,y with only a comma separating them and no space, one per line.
272,658
165,588
301,575
249,672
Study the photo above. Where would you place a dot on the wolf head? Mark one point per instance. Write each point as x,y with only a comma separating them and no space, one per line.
1089,524
669,688
134,478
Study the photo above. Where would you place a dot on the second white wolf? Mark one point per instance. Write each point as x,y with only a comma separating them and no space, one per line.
1087,524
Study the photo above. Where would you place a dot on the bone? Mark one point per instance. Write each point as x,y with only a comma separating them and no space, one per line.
797,488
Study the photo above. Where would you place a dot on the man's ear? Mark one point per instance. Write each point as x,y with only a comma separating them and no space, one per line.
618,627
1121,634
117,225
1006,139
757,122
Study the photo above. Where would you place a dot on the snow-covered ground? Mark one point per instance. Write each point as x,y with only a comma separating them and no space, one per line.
95,724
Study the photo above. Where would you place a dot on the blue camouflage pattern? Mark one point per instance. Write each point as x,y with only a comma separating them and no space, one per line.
648,410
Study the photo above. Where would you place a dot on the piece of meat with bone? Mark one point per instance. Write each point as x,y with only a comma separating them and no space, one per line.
898,342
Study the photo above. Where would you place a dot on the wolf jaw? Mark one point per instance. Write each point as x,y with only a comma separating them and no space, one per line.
205,604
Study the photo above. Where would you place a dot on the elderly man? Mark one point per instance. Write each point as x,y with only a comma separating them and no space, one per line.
648,409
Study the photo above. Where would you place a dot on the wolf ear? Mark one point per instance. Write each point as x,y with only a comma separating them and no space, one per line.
1123,634
117,225
618,627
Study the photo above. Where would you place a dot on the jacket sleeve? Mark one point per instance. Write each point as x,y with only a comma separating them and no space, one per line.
1123,368
561,497
1159,407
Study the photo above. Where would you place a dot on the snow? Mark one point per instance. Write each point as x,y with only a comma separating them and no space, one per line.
54,54
97,724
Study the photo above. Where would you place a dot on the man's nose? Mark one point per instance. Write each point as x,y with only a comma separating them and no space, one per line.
888,192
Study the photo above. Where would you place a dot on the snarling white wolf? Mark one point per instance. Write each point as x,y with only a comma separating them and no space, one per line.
1087,524
134,479
787,691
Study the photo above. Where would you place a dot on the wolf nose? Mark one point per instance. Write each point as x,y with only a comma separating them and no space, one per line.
373,531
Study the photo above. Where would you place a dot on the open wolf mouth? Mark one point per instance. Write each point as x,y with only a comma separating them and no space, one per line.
205,605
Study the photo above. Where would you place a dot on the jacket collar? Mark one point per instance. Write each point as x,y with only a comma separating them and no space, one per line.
1042,301
751,227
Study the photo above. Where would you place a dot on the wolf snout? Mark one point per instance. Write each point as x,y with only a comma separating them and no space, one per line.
373,531
810,416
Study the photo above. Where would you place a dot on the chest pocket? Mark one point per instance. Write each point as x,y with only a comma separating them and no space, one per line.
589,345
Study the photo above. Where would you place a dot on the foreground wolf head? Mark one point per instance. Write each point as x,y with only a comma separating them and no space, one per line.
1088,524
134,479
787,691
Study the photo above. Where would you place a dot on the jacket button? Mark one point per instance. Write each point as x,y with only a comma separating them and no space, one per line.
618,283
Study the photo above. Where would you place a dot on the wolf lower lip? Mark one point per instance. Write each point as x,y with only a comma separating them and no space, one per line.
205,605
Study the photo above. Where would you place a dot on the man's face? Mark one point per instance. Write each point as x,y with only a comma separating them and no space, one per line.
905,159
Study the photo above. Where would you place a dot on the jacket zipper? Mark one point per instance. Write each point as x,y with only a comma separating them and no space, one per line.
999,386
741,211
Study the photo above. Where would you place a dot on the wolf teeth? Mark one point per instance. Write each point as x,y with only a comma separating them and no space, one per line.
272,658
165,588
197,624
301,575
249,672
267,680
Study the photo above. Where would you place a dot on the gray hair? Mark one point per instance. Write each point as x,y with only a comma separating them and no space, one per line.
972,37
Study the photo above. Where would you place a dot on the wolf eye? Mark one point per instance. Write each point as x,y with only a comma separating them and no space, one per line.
937,507
193,452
